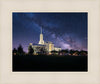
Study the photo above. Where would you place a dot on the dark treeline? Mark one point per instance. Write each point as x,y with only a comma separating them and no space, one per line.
20,51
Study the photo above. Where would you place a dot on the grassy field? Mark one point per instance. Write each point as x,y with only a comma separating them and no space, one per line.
50,63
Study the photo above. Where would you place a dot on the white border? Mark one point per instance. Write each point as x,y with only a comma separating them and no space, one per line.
9,77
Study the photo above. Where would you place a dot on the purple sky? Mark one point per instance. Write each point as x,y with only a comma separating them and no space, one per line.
65,30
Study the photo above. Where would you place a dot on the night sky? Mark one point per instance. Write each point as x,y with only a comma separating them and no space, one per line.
65,30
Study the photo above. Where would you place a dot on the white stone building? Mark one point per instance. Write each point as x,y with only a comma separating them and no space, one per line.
47,46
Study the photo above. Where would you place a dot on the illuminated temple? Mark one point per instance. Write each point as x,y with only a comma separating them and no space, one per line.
42,45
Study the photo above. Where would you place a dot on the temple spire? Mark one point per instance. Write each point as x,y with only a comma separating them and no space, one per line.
41,30
41,37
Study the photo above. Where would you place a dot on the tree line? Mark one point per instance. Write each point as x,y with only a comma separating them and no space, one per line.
20,51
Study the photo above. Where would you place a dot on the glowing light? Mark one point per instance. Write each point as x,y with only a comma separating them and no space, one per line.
50,47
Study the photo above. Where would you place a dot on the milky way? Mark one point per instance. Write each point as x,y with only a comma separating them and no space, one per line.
65,30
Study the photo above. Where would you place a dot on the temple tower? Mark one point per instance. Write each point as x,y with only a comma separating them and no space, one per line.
41,38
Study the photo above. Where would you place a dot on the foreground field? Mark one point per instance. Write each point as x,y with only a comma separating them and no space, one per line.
49,63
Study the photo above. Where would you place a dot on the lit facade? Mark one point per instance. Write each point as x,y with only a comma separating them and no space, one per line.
47,46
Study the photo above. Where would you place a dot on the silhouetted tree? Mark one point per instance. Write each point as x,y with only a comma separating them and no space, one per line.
64,52
76,52
83,53
14,51
20,50
71,52
31,51
54,52
43,50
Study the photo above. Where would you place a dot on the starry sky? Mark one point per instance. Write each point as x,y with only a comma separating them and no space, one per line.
65,30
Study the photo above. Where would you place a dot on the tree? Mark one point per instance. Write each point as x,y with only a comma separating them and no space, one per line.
54,52
20,50
76,53
71,52
83,53
64,52
14,51
43,50
31,51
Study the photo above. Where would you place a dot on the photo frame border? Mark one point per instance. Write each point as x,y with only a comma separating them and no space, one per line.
90,77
